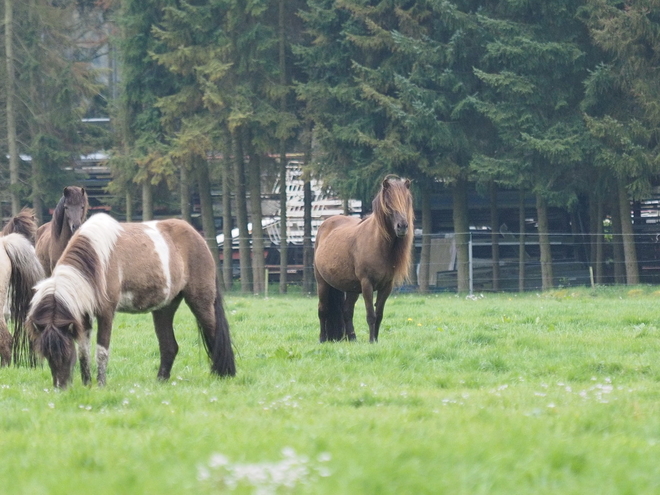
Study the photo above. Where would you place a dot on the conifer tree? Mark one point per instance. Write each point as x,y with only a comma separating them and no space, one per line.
622,104
531,71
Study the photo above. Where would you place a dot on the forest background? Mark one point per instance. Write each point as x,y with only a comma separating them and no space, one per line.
557,100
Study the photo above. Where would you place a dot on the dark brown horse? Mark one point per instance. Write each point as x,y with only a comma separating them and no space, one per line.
20,270
53,236
354,256
133,268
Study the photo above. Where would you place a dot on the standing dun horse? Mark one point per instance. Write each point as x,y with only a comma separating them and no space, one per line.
20,270
356,256
68,216
133,268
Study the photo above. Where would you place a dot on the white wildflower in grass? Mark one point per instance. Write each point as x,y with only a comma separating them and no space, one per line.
265,477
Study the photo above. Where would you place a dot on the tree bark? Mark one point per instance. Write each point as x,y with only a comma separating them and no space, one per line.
12,142
241,212
184,183
544,242
147,201
462,234
37,203
494,235
227,248
598,262
627,237
308,247
617,243
425,256
258,264
208,218
129,205
521,242
284,251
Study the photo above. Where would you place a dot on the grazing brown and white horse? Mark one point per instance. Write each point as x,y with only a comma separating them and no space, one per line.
135,268
20,270
68,216
356,256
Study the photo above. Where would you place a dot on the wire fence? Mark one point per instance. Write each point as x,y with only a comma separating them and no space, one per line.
577,260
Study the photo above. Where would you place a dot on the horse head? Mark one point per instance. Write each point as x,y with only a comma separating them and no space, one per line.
75,206
397,204
53,333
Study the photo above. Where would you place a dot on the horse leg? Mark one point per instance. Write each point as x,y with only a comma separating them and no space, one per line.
5,343
323,290
348,310
6,339
383,294
163,323
368,295
84,356
104,331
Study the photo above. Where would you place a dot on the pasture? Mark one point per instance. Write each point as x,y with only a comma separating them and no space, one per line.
536,393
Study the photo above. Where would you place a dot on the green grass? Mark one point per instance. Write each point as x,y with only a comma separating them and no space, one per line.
538,393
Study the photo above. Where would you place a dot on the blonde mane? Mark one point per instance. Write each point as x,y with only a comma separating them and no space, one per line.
394,196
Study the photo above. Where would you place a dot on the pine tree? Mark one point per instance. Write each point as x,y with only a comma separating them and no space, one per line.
622,104
531,72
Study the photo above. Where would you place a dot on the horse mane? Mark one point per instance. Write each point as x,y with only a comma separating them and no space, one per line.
58,219
394,195
79,279
24,224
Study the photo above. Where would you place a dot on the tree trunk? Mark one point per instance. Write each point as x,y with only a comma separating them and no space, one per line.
593,227
147,201
284,248
521,242
425,256
208,218
184,181
129,205
617,243
241,212
12,142
227,247
598,262
494,235
37,203
627,237
462,234
308,247
544,243
284,251
258,264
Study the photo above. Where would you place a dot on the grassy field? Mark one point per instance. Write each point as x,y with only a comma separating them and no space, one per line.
495,394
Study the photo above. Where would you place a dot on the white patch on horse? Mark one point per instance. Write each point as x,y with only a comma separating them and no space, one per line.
125,300
163,251
102,230
72,290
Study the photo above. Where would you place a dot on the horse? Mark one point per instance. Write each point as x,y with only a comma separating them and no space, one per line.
53,236
20,270
128,267
24,223
354,256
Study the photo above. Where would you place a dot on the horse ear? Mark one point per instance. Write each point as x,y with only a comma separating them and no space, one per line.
407,183
82,189
66,191
386,182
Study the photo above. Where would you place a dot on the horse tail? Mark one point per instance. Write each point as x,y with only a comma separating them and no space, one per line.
26,271
334,323
221,351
